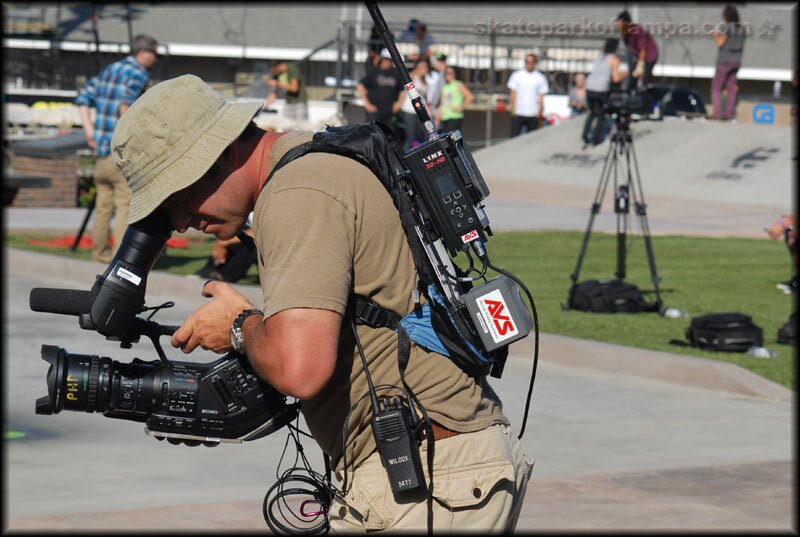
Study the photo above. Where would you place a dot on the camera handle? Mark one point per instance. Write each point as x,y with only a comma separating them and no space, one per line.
139,327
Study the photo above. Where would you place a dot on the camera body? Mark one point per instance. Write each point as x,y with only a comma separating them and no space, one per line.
628,102
219,401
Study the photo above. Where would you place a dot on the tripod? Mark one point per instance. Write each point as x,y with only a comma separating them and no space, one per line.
621,154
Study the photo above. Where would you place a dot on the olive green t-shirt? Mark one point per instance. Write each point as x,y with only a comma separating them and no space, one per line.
292,72
325,227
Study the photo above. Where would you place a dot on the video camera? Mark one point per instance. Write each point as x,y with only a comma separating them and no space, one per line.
627,102
184,402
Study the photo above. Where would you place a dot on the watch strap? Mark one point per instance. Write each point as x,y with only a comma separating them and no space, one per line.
237,334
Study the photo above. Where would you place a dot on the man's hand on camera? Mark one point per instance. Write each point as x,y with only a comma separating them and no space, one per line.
209,326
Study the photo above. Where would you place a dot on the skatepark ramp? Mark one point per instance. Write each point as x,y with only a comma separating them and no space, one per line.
698,177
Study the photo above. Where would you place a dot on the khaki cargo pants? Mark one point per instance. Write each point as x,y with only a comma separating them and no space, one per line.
112,200
479,482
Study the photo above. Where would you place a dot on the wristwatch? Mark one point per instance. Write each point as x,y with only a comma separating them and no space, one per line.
237,335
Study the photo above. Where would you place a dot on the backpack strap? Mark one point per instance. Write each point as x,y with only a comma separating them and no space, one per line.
367,312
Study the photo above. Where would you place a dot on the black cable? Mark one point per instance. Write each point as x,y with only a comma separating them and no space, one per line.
481,252
472,268
535,339
315,486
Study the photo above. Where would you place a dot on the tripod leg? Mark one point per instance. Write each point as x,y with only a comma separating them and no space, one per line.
595,210
641,212
83,224
622,208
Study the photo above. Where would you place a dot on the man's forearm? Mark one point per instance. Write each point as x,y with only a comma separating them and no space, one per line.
86,121
295,350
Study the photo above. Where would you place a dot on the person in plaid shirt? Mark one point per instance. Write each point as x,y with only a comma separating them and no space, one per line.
110,93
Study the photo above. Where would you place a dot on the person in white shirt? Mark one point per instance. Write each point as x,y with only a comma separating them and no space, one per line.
528,88
414,133
435,82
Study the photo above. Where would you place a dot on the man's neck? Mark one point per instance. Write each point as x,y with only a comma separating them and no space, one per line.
263,150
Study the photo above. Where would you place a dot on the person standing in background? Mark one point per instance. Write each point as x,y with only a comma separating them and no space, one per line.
642,51
111,93
380,91
286,77
414,133
605,76
435,82
528,88
455,98
578,103
417,33
730,46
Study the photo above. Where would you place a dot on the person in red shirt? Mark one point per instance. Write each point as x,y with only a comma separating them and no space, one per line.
642,51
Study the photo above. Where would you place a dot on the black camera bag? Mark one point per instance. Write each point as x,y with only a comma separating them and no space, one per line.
730,332
608,296
787,334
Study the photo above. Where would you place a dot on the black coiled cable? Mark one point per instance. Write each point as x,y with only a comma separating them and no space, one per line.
298,502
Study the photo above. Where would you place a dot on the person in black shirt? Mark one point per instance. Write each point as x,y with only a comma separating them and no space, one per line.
380,91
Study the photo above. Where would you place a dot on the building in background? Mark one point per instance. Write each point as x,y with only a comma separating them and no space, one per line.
52,45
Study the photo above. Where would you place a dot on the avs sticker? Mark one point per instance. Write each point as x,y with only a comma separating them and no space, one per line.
469,237
412,91
498,319
128,275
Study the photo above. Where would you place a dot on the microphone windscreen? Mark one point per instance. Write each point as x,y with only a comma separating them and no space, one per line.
61,301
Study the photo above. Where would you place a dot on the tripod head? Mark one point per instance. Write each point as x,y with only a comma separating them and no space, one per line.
622,128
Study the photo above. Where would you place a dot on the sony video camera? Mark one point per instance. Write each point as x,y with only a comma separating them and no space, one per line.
184,402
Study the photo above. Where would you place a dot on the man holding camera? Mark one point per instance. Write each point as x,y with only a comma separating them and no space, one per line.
325,229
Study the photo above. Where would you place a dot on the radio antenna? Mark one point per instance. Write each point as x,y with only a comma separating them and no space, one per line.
411,90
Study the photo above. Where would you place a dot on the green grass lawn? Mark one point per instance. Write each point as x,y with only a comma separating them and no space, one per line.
698,275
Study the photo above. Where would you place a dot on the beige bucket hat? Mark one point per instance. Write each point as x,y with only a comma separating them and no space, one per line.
171,136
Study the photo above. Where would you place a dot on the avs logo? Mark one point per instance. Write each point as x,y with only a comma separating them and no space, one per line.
471,236
764,113
498,319
410,86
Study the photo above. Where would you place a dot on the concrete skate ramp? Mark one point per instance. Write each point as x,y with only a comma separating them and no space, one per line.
708,177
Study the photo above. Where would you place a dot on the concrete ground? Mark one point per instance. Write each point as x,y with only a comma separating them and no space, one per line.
624,439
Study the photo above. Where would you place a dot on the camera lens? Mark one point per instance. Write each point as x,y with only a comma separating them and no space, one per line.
81,382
